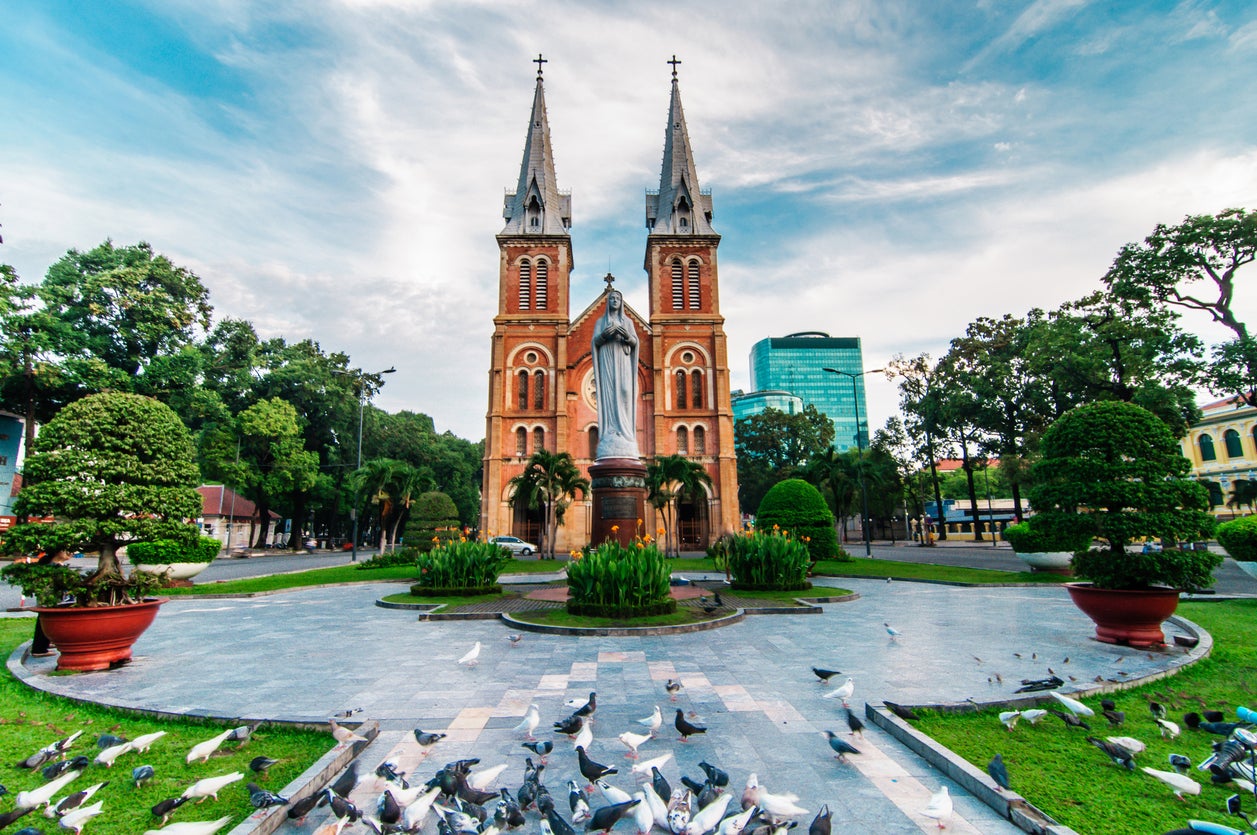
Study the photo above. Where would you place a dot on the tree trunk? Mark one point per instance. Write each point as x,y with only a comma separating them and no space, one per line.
940,522
298,512
967,466
1017,501
264,521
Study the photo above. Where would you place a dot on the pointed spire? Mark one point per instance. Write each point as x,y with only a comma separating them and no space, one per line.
679,207
537,207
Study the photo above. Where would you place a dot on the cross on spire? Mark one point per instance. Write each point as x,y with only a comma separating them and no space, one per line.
674,63
539,61
610,279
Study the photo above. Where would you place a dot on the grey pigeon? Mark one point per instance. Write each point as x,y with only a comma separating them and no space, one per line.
344,784
141,773
1118,754
606,817
660,784
840,746
298,810
999,772
715,776
388,809
557,824
855,723
260,765
1070,719
426,739
542,747
262,799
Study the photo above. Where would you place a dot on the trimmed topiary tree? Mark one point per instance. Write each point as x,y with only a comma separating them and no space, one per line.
434,516
1239,538
797,507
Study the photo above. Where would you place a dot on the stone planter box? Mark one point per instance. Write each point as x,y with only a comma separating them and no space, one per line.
1056,562
174,570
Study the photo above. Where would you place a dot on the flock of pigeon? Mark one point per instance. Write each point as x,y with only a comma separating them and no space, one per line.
75,809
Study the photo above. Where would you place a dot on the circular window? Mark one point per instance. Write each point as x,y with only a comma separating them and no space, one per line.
589,390
687,357
530,357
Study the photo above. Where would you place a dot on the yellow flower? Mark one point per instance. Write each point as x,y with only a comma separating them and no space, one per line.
646,538
776,527
640,545
435,539
615,529
639,521
660,531
807,539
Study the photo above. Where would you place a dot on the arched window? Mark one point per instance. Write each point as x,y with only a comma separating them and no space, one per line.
680,390
521,442
1206,449
1215,493
539,390
1234,446
543,272
523,389
696,388
525,284
700,440
538,439
683,441
678,284
593,442
694,292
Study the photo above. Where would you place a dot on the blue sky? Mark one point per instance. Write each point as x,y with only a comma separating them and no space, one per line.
882,169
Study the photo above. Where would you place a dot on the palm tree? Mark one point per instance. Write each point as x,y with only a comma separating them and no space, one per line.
373,481
669,479
408,482
549,481
837,476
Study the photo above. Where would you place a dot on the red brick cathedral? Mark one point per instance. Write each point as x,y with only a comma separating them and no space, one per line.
541,390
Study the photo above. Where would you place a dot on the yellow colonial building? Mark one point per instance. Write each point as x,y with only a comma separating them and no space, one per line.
1222,447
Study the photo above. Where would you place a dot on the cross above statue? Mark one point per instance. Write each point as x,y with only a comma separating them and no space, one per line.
610,279
674,63
539,61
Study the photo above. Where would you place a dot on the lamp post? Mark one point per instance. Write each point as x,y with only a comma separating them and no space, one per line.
362,406
859,446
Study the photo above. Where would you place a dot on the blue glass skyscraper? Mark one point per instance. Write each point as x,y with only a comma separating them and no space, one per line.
796,364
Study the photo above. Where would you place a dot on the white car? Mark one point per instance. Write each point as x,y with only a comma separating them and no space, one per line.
514,544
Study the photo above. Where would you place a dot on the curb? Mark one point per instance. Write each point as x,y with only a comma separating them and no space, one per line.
624,631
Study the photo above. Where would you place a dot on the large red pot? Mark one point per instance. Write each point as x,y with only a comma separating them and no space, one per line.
1126,616
97,637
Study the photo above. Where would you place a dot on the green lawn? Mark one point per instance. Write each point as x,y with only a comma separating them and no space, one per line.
1058,771
863,567
31,719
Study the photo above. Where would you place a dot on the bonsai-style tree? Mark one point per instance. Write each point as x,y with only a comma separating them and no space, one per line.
1113,471
109,469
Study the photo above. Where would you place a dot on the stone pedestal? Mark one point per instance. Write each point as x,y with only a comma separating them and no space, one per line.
618,486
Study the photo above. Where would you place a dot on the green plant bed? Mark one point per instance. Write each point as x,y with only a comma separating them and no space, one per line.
754,587
561,617
34,719
863,567
1055,768
470,591
516,566
614,612
334,576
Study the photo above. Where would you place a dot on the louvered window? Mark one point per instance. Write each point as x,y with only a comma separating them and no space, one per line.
700,440
523,389
525,284
543,270
696,382
683,441
539,390
680,390
693,288
678,285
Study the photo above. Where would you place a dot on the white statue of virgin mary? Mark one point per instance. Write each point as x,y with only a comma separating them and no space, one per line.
615,348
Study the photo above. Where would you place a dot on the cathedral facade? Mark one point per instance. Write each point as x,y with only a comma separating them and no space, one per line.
541,389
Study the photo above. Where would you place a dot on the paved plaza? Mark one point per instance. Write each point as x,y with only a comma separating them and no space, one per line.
308,655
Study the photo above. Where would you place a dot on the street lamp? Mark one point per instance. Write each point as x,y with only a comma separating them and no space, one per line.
362,405
859,446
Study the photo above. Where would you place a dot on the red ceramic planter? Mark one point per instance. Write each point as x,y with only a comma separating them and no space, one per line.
1126,616
98,637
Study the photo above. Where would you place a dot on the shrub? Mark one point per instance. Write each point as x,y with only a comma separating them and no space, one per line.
796,506
401,556
1039,535
1187,570
620,581
460,567
166,551
433,522
768,560
1239,538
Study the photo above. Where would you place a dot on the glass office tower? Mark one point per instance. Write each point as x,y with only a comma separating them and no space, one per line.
795,364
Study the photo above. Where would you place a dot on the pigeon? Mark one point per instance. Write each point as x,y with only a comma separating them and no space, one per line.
1009,718
387,770
339,733
344,784
144,742
891,631
1158,710
855,723
1214,716
570,726
939,807
673,687
586,708
776,806
242,734
1073,705
202,750
192,827
415,813
825,675
480,780
164,808
211,786
715,776
707,818
1117,753
541,748
62,745
260,765
515,638
140,774
584,737
299,809
529,723
389,811
427,739
472,657
653,722
843,691
652,765
1131,744
1034,715
108,741
685,728
51,772
37,759
736,824
576,802
1180,762
1220,728
1115,717
631,741
591,770
822,824
14,815
841,747
612,794
262,799
109,755
1168,729
905,713
643,814
999,772
554,824
43,795
1070,719
1180,783
76,819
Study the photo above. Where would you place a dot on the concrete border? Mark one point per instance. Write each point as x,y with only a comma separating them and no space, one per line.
622,631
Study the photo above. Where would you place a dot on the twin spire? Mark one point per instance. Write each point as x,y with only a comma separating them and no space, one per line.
678,207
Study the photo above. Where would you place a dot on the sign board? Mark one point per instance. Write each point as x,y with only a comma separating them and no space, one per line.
10,442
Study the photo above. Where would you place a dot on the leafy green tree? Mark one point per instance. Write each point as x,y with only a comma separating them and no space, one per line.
669,480
273,461
550,481
837,476
920,398
110,468
772,446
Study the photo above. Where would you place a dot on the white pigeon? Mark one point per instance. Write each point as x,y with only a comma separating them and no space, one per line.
77,819
482,777
1033,715
43,795
53,810
633,740
584,737
844,691
211,786
708,818
339,733
472,657
108,755
1075,707
734,824
613,794
645,766
530,722
658,808
202,750
1128,742
1009,718
194,827
652,722
1168,728
891,631
643,815
939,807
776,806
1181,783
143,743
414,814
